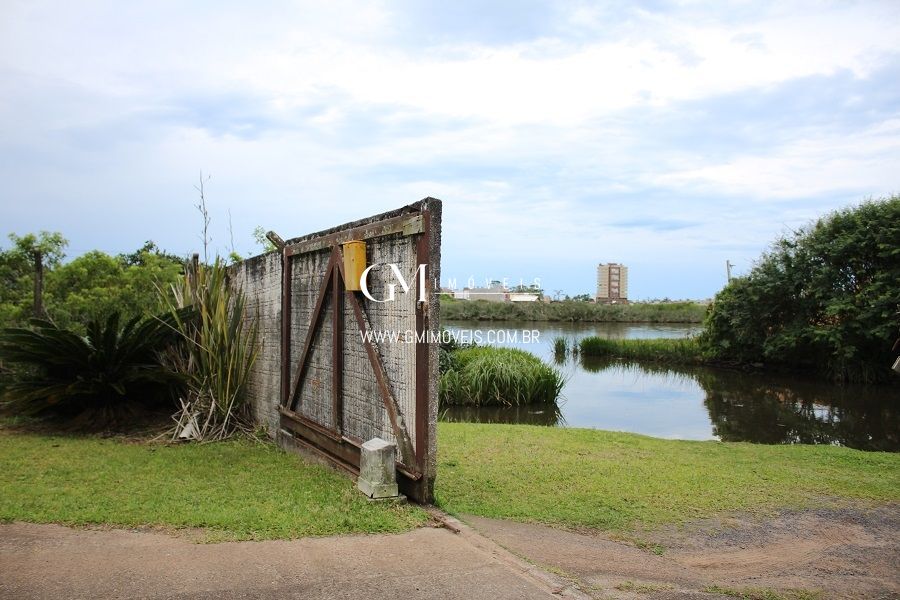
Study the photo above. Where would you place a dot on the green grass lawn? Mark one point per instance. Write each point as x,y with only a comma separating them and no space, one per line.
572,477
620,481
236,490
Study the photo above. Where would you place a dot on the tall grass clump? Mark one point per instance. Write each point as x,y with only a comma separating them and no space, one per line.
219,354
499,376
560,345
680,351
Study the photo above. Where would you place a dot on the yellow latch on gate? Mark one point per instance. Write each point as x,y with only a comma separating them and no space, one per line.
354,264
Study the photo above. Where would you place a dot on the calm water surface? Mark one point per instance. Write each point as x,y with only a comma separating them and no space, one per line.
689,403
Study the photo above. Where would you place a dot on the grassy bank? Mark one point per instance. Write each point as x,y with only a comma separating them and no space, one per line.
684,351
618,481
236,489
482,310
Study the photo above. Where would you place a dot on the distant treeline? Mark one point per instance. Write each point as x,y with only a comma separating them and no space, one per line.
571,311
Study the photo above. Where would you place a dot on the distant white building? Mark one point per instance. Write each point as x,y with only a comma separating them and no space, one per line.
612,283
495,293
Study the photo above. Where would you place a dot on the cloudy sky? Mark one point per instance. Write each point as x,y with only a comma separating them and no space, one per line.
669,136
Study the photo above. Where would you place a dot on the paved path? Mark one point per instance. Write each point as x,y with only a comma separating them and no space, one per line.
51,561
842,552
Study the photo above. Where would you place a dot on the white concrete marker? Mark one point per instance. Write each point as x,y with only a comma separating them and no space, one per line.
377,469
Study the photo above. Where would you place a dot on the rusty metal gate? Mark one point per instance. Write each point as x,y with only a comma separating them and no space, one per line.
354,368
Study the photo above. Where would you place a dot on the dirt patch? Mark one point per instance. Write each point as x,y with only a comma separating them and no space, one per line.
827,553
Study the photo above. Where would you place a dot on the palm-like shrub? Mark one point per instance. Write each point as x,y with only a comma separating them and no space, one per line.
93,380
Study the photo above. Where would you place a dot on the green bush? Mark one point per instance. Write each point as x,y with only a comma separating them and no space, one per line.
94,380
498,376
824,298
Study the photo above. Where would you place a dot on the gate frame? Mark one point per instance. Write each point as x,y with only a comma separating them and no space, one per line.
416,465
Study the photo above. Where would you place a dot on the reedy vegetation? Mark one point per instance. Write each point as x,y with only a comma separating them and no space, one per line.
217,358
498,376
560,346
571,311
685,351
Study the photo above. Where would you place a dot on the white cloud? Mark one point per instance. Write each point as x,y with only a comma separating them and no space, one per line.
524,83
864,163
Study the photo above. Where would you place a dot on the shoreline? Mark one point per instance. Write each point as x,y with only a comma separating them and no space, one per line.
570,311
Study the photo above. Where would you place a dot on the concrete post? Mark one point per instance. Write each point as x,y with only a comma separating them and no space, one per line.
377,469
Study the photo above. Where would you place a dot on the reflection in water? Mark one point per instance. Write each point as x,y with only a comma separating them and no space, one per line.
772,411
534,414
560,357
699,403
777,409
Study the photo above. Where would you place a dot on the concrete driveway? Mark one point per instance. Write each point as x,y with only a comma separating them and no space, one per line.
51,561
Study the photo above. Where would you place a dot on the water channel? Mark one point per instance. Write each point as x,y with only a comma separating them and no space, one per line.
686,403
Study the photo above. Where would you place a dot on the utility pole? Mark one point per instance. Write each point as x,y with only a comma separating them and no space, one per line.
728,265
38,284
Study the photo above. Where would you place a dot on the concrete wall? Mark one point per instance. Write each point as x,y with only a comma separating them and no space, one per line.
364,415
260,279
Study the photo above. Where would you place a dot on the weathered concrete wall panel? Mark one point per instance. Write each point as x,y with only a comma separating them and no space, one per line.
334,410
260,280
315,397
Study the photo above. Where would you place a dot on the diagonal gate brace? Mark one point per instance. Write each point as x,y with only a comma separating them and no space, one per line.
398,425
333,279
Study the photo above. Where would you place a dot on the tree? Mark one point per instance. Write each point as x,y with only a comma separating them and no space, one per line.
824,298
17,272
259,236
139,256
90,287
96,284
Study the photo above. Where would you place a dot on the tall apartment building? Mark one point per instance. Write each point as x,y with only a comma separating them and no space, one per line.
612,283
